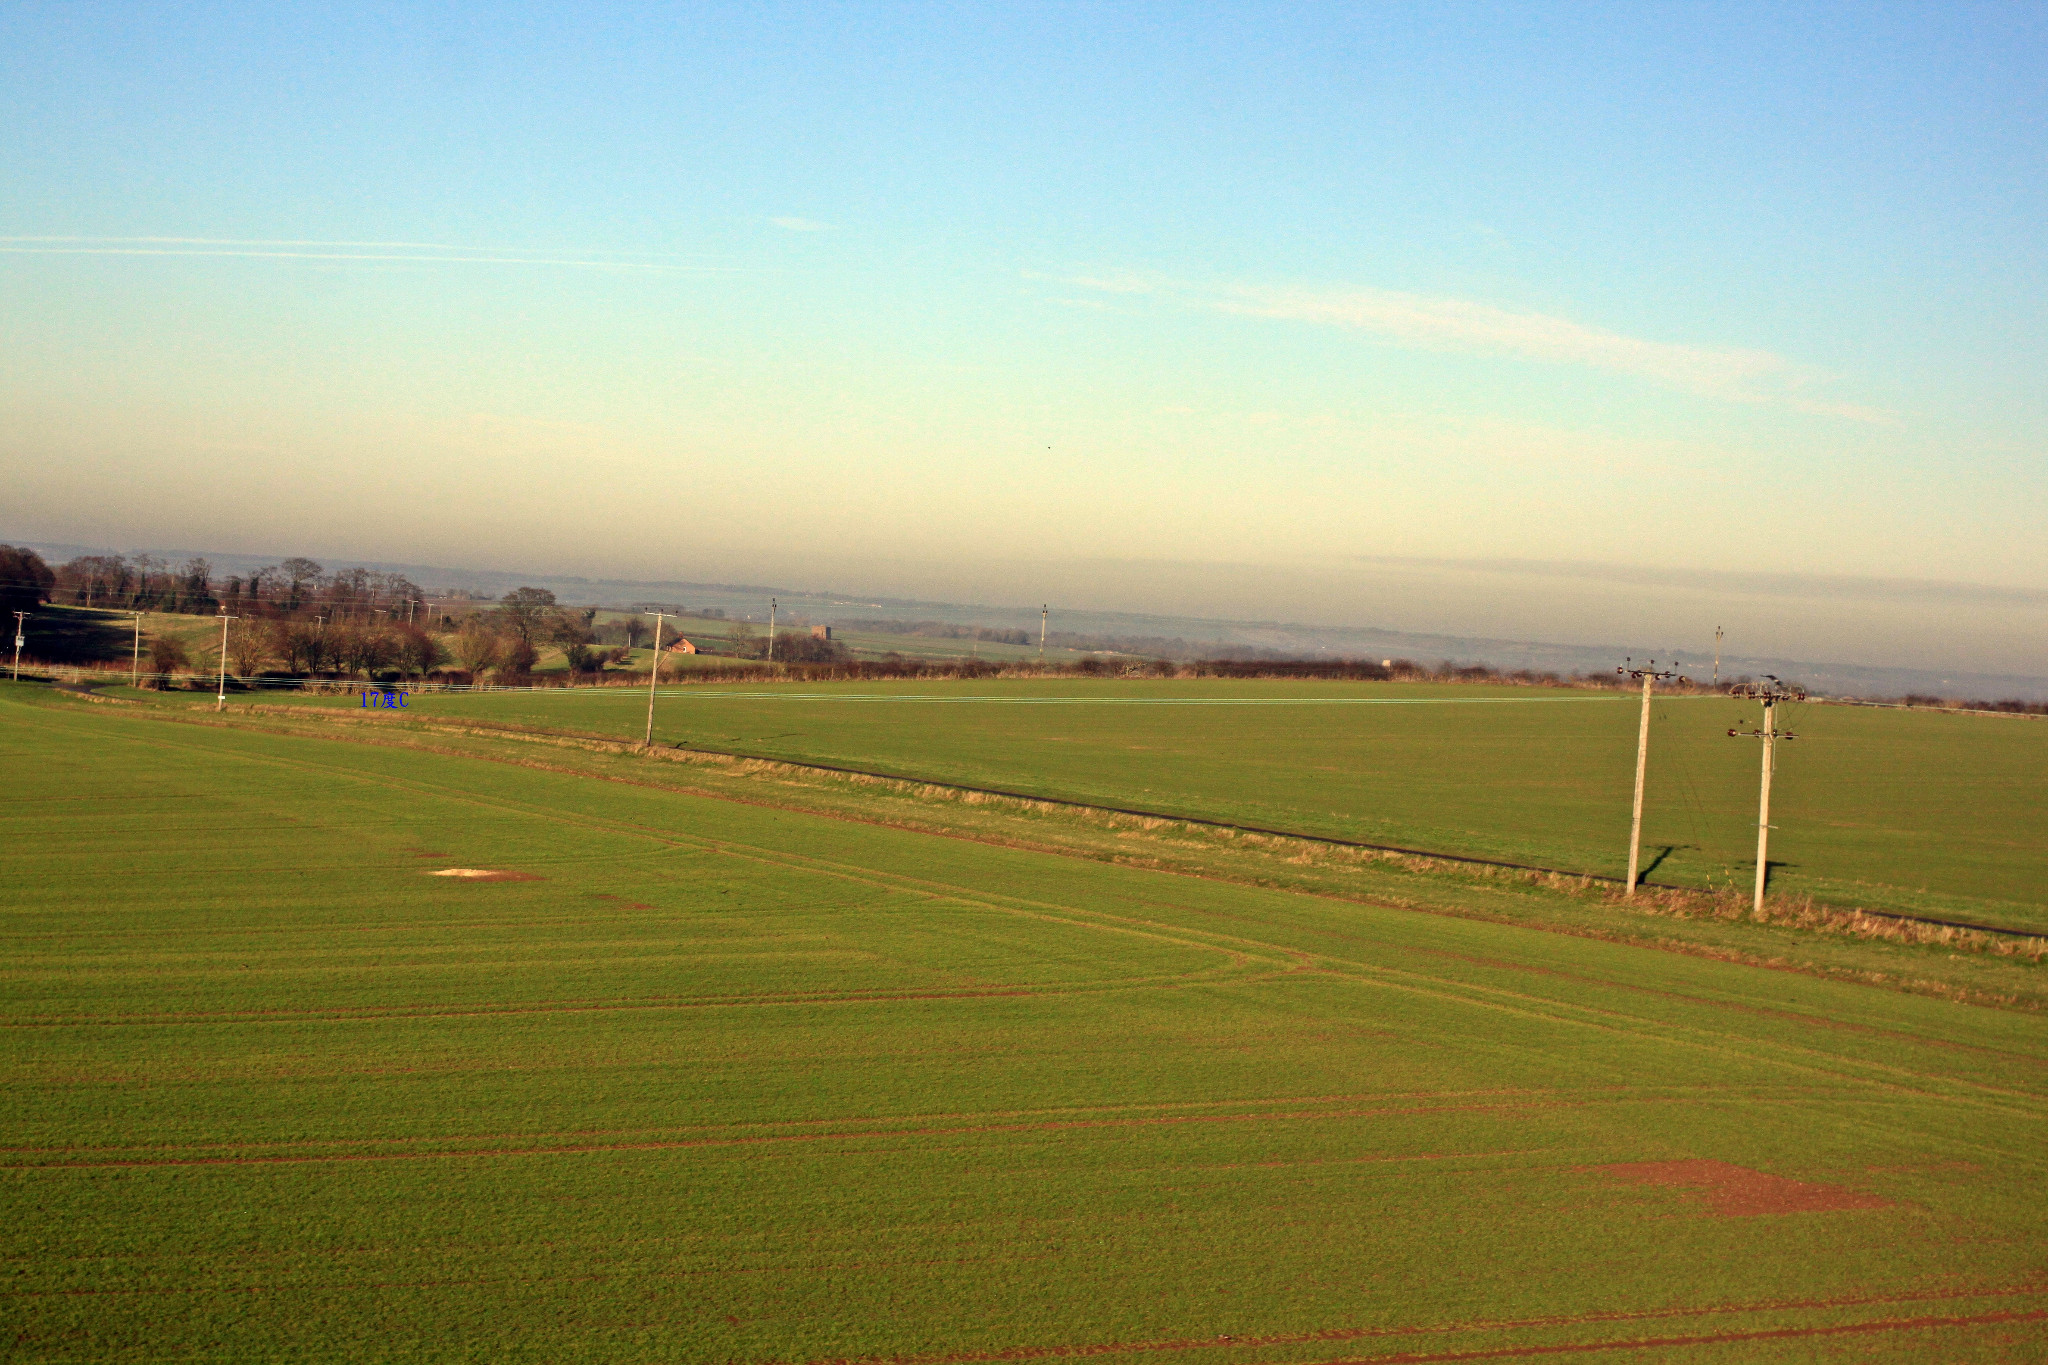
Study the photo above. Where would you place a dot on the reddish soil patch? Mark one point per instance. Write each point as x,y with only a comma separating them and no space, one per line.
484,874
1738,1192
630,905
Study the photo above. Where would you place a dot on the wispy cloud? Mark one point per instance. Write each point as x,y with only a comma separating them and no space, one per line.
1429,323
1116,284
319,250
800,225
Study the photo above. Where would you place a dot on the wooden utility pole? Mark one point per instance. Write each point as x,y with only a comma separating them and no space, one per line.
1649,674
1044,615
1770,692
20,619
653,676
135,664
771,630
221,702
1717,656
1763,806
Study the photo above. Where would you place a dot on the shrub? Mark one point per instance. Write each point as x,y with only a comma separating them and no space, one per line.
167,655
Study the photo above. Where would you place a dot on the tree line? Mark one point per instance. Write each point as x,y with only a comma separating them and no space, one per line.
25,580
322,637
146,582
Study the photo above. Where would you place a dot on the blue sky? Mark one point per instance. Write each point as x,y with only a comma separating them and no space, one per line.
930,299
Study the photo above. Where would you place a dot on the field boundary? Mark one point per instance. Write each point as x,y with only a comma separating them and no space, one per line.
616,745
1325,839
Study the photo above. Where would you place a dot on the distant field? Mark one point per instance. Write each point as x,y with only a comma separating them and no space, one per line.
871,644
716,1082
1909,810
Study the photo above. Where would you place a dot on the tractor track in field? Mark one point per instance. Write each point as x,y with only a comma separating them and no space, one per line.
851,1134
1696,1339
1087,1350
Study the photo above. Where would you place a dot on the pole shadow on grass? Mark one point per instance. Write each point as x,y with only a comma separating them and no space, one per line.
78,635
1658,861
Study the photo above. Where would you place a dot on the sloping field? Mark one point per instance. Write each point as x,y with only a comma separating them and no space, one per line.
706,1081
1915,811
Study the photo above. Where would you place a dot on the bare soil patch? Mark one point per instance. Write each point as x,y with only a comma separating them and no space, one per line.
1738,1192
485,874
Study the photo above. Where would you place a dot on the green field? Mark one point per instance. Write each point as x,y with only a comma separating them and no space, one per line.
725,1082
1916,811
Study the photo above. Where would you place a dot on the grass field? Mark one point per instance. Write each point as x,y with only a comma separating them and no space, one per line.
1915,811
723,1082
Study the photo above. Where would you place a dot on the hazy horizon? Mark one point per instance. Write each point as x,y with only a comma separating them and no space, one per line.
1582,324
1989,630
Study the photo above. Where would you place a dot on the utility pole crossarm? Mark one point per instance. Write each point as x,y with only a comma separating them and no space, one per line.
1650,675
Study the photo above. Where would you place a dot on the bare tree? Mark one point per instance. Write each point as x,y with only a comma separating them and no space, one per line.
166,656
477,647
361,649
94,580
418,652
298,572
246,649
147,589
301,645
529,613
574,627
518,659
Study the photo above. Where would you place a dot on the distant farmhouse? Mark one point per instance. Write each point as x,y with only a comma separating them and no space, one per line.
682,646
